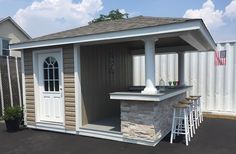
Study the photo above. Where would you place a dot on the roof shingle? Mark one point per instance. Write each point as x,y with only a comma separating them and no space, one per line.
112,26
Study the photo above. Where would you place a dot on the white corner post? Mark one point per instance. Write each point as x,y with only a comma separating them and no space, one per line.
149,44
181,68
77,75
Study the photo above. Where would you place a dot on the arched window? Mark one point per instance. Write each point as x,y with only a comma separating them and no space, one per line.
51,74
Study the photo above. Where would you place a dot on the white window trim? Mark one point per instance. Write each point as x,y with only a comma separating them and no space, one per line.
1,45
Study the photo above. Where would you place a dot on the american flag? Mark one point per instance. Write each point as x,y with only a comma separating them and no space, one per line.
220,57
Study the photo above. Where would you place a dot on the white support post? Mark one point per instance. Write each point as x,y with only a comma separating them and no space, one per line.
181,69
0,46
150,65
18,82
78,96
1,92
23,87
9,80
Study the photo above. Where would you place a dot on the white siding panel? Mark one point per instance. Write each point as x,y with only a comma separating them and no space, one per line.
176,67
216,84
202,76
158,68
210,80
136,70
142,73
234,77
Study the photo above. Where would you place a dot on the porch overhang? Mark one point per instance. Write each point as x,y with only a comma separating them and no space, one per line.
193,32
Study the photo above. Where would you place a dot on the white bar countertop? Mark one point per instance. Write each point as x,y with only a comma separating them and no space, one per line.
138,96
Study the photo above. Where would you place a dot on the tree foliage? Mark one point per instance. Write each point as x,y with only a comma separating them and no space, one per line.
113,15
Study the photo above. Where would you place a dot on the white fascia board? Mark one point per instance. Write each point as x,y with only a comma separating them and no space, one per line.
226,41
190,39
157,30
207,35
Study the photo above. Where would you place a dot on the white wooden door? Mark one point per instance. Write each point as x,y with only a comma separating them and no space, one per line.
50,88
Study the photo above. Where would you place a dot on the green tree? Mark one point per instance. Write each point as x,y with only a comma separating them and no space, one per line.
113,15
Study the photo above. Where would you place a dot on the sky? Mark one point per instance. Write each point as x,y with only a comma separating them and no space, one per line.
41,17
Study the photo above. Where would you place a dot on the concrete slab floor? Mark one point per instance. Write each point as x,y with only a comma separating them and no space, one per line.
109,124
214,136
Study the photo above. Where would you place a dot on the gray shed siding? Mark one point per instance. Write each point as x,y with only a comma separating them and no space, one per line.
69,87
104,69
29,87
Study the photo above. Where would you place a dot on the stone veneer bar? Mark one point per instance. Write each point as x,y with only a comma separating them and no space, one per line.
147,122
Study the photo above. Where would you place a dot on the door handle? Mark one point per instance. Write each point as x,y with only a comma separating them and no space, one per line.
61,92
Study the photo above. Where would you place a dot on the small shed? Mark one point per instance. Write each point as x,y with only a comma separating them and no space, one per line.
79,81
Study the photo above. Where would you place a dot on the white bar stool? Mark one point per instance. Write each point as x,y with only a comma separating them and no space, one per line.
199,108
190,115
180,113
195,110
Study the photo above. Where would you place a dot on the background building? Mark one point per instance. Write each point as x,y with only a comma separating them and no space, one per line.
215,83
10,32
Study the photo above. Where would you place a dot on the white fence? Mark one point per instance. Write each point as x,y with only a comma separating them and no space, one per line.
10,82
215,83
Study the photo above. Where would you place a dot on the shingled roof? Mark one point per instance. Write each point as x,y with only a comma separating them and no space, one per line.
112,26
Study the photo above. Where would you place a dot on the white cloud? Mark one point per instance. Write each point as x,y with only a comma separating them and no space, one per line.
230,10
122,11
48,16
130,13
212,18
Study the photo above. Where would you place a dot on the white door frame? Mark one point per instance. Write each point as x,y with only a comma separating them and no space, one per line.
36,84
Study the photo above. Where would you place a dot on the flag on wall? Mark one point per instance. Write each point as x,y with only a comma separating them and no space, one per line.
220,57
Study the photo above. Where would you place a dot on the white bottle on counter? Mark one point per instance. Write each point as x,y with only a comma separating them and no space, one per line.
162,85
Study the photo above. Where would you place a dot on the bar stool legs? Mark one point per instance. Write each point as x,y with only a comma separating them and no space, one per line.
191,122
186,127
200,110
180,114
196,119
195,110
190,115
187,116
197,100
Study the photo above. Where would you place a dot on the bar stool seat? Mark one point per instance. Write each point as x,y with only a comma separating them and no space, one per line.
184,101
180,113
199,96
193,98
179,105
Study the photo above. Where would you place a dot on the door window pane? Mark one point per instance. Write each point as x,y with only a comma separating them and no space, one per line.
51,85
56,85
45,85
55,64
45,73
56,73
51,74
